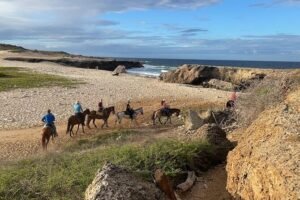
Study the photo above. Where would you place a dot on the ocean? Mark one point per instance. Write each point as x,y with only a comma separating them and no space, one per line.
154,67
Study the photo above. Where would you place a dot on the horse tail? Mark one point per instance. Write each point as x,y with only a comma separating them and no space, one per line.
68,127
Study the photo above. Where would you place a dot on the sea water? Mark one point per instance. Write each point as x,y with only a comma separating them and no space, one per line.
154,67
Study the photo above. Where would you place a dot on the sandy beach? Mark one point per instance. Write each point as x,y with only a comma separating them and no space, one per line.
23,108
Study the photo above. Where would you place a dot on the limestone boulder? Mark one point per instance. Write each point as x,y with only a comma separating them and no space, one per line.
115,183
120,69
192,120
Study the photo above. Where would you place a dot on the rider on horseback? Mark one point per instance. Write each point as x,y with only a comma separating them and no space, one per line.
165,108
129,111
78,112
100,106
49,119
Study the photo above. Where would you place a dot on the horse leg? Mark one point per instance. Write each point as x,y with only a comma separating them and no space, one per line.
88,122
82,128
71,131
94,122
77,128
106,122
159,119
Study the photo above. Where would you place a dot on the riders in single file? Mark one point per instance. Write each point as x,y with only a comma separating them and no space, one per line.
49,120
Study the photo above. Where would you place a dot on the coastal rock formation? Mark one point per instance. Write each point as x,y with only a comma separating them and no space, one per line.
192,120
221,85
82,62
200,74
113,182
265,163
120,69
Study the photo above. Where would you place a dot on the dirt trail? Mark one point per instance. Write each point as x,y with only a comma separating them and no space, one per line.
210,186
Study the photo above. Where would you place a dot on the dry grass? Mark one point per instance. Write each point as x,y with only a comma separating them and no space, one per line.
260,96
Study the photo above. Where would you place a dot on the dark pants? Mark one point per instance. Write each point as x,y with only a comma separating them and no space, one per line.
166,111
80,117
129,112
53,129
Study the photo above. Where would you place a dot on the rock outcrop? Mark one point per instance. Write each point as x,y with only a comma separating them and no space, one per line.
219,84
266,162
200,74
114,183
192,120
120,69
82,62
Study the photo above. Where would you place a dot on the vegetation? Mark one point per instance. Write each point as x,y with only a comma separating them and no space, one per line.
67,175
260,96
13,78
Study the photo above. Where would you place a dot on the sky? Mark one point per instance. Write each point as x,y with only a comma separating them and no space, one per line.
195,29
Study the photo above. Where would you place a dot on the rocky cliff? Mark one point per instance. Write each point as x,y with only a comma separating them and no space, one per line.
266,162
82,62
201,75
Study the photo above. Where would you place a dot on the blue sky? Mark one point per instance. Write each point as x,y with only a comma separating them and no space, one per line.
195,29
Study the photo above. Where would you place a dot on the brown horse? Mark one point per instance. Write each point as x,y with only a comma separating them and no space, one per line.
104,116
73,120
46,134
160,113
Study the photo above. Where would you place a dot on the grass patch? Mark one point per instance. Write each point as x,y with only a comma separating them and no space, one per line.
67,175
14,77
108,138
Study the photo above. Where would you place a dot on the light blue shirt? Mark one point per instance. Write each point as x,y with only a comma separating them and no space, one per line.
77,108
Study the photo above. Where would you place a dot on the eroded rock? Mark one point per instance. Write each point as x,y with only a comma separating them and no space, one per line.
265,163
115,183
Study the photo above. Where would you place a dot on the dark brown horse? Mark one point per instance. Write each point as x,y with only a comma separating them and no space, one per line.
46,134
104,116
160,113
73,120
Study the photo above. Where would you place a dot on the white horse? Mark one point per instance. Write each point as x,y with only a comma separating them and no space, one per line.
121,115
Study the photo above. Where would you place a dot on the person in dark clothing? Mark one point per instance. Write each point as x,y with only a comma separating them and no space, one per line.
129,111
100,106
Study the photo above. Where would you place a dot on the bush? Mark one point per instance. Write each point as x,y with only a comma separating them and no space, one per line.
260,96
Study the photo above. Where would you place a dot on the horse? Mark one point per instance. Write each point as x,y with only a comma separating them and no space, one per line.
160,113
73,120
121,115
46,134
104,116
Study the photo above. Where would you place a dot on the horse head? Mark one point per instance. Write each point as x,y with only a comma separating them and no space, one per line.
86,111
113,110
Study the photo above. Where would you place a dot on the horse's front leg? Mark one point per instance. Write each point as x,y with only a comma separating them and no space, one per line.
168,118
159,119
94,122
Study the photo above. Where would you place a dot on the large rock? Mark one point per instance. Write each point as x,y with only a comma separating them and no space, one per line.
120,69
114,183
266,162
219,84
192,120
199,74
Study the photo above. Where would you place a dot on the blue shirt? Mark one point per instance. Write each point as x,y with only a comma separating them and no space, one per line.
49,118
77,108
